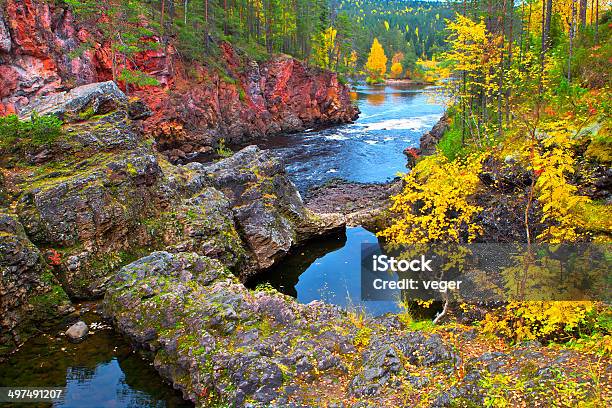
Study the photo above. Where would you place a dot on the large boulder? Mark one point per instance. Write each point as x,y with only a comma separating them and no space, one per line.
216,340
365,204
105,198
29,292
79,103
268,209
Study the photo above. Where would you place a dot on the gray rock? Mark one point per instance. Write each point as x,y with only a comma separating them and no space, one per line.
79,103
430,139
165,300
29,293
138,110
267,207
78,331
510,159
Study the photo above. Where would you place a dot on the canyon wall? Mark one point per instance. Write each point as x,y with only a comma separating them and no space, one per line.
44,49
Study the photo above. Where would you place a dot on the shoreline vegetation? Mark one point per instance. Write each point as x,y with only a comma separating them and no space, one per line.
398,81
118,182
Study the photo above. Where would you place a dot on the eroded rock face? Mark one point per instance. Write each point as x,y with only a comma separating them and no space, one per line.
266,205
40,54
281,95
29,293
215,340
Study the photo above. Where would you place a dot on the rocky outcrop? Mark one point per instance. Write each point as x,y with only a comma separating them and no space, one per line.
215,340
29,293
44,50
280,95
102,197
267,207
357,203
429,140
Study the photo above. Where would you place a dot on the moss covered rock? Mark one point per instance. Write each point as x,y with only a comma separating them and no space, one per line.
29,292
219,342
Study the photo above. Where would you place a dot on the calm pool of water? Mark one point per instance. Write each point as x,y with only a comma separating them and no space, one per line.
328,270
102,371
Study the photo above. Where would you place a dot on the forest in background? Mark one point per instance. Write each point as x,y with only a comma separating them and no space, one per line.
335,35
356,38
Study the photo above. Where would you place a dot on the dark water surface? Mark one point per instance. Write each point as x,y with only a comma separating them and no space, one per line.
328,270
371,149
102,371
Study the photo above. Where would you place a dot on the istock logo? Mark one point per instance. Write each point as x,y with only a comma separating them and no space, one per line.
384,263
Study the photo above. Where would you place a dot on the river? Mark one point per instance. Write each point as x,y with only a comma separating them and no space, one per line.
104,371
369,150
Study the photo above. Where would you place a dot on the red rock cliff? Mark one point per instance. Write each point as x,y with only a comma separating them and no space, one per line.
41,53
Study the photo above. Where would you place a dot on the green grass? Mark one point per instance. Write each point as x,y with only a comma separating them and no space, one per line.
38,131
450,145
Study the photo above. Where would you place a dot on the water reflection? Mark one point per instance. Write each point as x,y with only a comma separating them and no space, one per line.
375,99
328,270
102,371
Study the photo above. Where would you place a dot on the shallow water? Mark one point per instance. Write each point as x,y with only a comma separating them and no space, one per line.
371,149
102,371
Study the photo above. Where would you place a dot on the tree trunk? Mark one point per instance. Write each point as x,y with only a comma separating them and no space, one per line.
520,62
546,18
583,12
500,91
572,30
596,21
225,17
206,23
510,50
161,19
269,45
